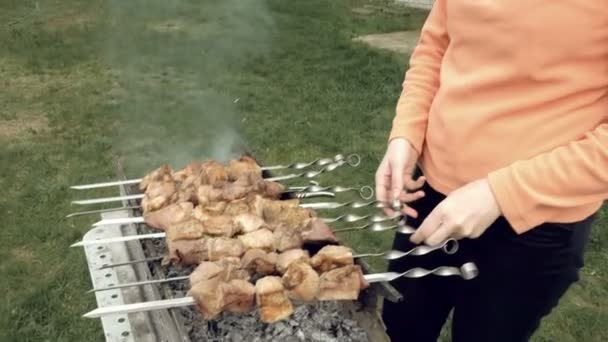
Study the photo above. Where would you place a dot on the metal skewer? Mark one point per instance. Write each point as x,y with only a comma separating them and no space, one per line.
449,247
353,160
126,263
349,204
297,193
379,227
133,220
140,219
365,192
467,271
100,211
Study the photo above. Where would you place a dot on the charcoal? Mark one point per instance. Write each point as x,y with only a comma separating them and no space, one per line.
316,322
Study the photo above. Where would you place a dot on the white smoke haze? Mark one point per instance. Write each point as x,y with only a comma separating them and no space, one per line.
174,61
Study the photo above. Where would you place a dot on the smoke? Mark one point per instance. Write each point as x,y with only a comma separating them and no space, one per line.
177,65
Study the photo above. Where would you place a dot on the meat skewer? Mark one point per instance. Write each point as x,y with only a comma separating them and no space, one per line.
400,229
316,205
339,255
352,160
467,271
101,200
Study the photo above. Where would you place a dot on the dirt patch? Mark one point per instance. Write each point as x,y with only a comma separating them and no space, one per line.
24,123
365,10
168,26
581,302
22,254
402,42
68,18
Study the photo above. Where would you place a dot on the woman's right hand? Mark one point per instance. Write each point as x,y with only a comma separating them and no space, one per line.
394,178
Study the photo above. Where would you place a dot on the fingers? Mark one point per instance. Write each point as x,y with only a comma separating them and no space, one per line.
412,184
383,178
397,169
441,234
409,211
408,197
383,183
428,227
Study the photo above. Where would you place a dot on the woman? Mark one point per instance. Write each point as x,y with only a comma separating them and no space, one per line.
505,110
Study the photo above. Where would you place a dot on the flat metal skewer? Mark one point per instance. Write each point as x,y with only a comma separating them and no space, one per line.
134,220
467,271
101,211
449,247
353,160
140,219
295,190
131,262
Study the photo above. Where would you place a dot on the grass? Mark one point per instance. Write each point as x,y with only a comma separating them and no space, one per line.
86,82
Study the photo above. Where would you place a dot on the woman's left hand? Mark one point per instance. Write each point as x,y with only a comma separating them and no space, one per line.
465,213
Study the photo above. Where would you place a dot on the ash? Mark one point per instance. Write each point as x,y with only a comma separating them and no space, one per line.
316,322
320,322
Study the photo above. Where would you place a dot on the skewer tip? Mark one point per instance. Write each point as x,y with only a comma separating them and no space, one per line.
77,244
91,314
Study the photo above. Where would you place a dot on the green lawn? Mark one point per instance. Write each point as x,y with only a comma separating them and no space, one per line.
86,82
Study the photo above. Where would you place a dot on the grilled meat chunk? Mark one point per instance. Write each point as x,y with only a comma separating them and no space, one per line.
344,283
203,212
301,281
285,238
239,296
330,257
214,295
261,238
318,232
188,173
218,248
186,252
188,230
247,223
158,195
212,173
174,213
204,271
209,297
244,168
220,226
162,174
259,261
273,303
226,269
286,258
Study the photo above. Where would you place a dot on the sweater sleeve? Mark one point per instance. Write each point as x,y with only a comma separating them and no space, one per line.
530,192
422,79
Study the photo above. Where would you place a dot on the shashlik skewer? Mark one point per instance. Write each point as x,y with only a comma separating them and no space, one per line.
141,196
449,247
402,229
365,192
130,262
467,271
101,211
353,160
317,205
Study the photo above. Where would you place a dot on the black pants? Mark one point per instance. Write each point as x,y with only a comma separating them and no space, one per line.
521,279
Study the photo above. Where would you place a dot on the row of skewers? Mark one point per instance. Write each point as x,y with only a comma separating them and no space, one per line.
231,222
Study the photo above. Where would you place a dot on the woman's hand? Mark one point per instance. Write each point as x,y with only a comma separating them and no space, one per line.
394,176
466,212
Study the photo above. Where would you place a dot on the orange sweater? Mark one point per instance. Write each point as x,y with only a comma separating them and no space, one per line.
515,91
